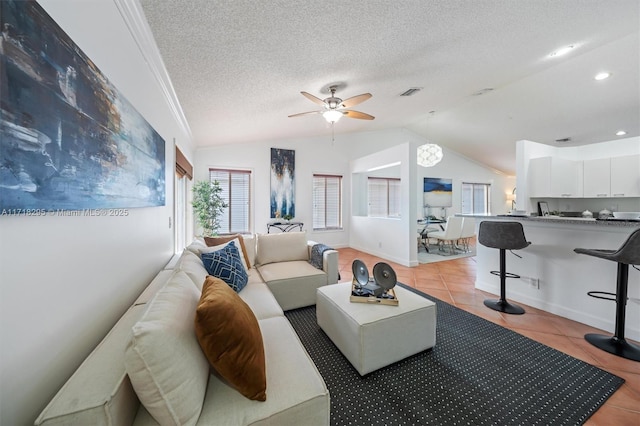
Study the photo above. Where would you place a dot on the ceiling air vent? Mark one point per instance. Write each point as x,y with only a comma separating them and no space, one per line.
563,140
482,91
411,91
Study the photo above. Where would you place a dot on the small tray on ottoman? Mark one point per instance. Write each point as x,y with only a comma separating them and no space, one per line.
387,298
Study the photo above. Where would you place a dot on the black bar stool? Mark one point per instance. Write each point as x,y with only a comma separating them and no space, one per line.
627,254
503,236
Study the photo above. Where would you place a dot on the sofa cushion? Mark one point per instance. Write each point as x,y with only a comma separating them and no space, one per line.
150,291
283,247
260,299
293,284
164,361
297,393
191,264
217,241
99,391
230,337
226,265
250,245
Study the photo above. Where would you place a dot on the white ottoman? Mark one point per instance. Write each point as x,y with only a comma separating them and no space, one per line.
373,336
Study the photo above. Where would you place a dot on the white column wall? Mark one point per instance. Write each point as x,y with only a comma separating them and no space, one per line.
390,238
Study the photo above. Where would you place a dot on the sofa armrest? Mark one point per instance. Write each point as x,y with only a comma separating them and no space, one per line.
329,262
330,265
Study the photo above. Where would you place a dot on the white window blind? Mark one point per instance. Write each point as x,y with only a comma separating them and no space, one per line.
384,197
236,191
327,202
394,197
476,198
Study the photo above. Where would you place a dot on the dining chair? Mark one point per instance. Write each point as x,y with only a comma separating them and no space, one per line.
450,235
468,232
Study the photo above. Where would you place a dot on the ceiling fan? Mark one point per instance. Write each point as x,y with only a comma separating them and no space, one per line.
334,107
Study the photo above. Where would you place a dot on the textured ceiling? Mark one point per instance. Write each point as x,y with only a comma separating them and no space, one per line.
238,68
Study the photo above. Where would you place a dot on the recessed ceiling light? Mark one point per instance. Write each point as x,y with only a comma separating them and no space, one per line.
602,76
621,133
562,51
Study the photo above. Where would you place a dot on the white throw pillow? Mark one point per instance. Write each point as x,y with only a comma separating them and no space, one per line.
196,246
282,247
164,361
192,265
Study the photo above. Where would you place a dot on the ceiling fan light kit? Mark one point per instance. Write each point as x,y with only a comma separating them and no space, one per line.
332,115
335,108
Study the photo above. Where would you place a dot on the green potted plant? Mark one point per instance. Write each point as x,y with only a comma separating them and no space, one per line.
287,217
208,205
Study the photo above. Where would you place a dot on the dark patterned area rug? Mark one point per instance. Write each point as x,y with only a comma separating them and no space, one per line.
479,373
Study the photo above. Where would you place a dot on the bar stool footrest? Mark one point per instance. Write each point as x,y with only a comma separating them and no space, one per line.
506,274
599,295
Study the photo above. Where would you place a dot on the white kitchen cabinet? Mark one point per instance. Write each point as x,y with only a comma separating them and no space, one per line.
625,176
597,178
555,177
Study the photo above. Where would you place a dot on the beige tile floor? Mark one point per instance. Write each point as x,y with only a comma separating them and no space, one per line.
453,282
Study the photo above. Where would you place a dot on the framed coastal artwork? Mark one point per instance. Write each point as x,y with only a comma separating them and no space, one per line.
283,179
69,140
438,192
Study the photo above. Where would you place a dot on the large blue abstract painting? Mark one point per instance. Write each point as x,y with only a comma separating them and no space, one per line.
283,190
68,138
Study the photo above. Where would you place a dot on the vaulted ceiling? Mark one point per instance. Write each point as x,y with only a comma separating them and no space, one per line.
487,80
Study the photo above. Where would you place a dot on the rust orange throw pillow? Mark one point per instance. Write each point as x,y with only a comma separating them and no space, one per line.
216,241
230,338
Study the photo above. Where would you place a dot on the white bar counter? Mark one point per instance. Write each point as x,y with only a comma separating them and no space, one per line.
556,279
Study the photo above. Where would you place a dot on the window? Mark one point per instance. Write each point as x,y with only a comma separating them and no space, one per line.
476,198
236,193
384,197
327,202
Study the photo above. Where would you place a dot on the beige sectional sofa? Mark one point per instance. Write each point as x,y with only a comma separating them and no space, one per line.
100,392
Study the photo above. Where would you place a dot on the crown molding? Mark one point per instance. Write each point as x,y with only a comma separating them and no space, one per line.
134,18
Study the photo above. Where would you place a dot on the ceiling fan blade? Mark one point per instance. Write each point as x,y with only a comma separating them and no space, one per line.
359,115
355,100
305,113
313,98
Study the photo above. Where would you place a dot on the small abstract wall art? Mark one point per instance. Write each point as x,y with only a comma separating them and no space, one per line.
69,140
283,188
438,192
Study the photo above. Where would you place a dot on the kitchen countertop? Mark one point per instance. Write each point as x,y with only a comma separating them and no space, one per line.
562,220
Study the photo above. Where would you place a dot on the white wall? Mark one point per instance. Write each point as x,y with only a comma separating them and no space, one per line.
316,155
64,281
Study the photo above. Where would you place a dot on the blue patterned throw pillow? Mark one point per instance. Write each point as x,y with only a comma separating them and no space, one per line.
226,265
